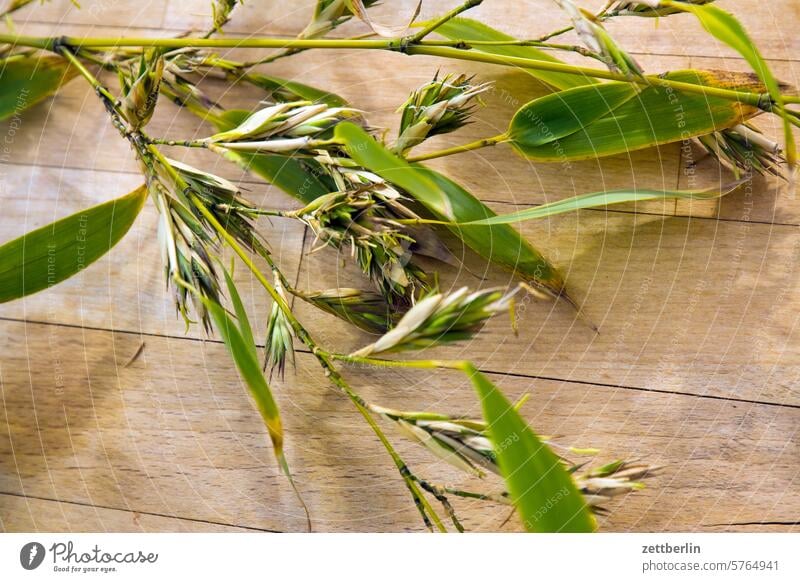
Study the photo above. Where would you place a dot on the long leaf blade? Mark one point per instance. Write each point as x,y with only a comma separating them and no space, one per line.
241,346
467,29
554,117
57,251
542,490
241,314
599,199
27,80
655,116
449,202
250,371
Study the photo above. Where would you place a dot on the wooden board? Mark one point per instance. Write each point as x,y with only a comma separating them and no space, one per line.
695,366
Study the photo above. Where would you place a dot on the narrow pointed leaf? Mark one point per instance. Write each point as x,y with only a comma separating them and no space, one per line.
240,344
726,28
447,201
50,254
241,315
27,80
543,492
467,29
656,115
596,199
250,371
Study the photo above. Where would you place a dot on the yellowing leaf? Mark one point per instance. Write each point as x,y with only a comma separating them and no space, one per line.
724,27
656,115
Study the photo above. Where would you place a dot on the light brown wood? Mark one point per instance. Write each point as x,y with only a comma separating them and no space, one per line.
174,434
695,367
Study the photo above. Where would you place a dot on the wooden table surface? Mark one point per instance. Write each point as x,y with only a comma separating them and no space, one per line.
695,367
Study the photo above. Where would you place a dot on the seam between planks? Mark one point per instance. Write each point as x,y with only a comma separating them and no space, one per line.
136,511
484,370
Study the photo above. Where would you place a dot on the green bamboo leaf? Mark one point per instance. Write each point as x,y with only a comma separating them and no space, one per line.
726,28
554,117
50,254
241,314
467,29
26,80
543,492
246,362
286,90
240,344
657,115
447,201
301,178
595,199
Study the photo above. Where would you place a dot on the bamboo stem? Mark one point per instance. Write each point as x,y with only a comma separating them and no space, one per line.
396,45
416,364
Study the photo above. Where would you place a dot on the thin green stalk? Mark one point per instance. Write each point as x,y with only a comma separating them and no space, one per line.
436,23
754,99
476,145
416,364
397,45
428,513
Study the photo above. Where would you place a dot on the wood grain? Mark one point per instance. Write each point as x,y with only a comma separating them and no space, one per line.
174,434
695,366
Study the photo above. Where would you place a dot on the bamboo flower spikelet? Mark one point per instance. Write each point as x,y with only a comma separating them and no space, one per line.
441,106
441,318
425,242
